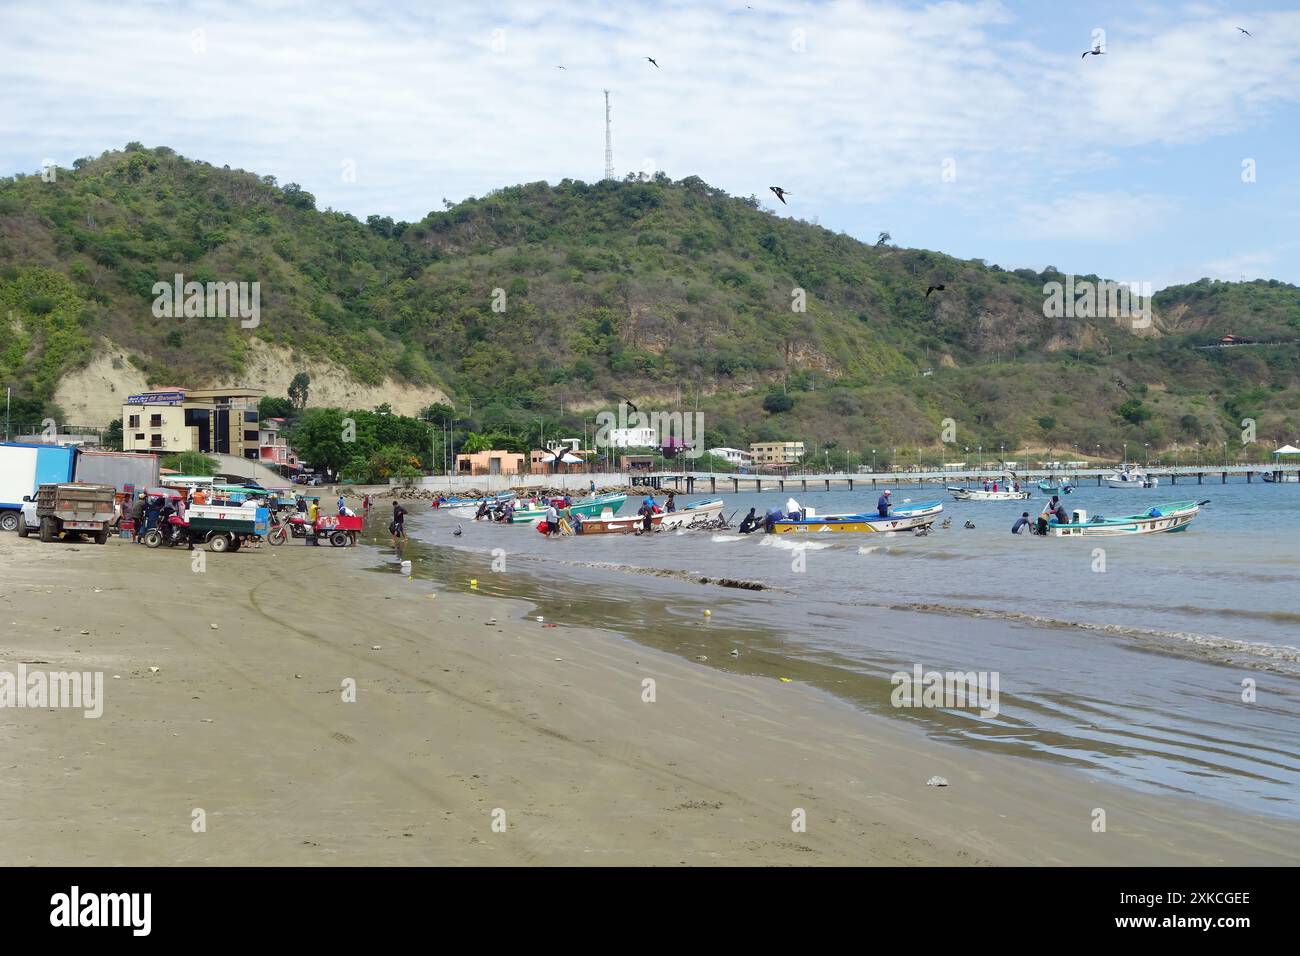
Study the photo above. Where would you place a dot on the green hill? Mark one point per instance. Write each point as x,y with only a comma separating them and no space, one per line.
658,291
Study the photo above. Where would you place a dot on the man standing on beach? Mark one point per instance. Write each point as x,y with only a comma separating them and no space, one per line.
398,527
137,517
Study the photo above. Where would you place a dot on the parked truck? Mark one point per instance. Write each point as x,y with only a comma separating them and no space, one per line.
126,471
24,468
73,509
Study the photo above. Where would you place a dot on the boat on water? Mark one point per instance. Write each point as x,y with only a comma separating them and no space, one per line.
1272,478
1130,478
1053,487
587,507
695,511
979,494
1170,516
608,523
916,515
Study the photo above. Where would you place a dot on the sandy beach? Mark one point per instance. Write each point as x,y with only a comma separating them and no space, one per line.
467,711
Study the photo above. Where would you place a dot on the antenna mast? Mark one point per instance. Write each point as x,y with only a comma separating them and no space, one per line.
609,143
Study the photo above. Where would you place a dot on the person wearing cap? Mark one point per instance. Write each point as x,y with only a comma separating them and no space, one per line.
882,505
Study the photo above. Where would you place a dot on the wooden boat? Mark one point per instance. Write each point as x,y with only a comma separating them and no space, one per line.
607,523
586,507
691,513
1171,516
1129,478
979,494
917,515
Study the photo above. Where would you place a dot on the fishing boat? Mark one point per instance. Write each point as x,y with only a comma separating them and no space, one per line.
1130,478
1171,516
979,494
468,507
1284,477
917,515
1053,487
696,511
607,523
587,507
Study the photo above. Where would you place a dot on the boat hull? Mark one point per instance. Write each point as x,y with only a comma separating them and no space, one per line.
904,520
1171,517
704,510
979,494
629,525
591,507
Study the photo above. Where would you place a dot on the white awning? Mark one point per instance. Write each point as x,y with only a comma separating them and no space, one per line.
1287,450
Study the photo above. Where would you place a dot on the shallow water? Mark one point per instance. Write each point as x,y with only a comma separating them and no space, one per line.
1129,663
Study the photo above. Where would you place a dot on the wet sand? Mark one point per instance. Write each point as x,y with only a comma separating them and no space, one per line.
457,717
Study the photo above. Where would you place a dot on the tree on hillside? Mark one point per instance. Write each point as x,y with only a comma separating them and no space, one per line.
298,389
776,402
271,407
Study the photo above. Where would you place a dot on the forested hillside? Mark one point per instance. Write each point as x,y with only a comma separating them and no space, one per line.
658,291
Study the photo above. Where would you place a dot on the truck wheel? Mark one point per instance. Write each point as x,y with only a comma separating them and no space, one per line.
22,527
236,544
276,537
101,537
340,539
220,543
152,538
47,530
9,521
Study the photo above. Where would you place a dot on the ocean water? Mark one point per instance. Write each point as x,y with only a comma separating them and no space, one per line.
1167,661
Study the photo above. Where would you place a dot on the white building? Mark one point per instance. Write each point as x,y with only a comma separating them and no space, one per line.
633,438
735,456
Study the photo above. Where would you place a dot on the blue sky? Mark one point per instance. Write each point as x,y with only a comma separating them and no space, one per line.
1128,164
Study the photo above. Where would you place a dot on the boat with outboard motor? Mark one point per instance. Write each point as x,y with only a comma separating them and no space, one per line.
979,494
1170,516
915,515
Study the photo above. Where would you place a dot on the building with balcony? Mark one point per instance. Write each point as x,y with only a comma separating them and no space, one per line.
222,421
491,463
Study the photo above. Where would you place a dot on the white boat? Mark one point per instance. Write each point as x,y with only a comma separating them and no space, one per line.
979,494
691,514
1131,478
1271,477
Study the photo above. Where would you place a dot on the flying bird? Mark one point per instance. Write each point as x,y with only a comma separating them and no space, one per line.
933,288
562,68
652,60
780,194
629,404
1244,30
1095,51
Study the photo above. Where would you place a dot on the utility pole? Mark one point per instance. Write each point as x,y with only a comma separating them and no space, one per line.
609,142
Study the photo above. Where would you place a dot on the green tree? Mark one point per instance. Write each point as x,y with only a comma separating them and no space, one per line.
272,407
191,463
298,389
113,435
777,402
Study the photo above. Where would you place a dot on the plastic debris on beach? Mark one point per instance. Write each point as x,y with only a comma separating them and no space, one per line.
153,670
786,680
213,626
936,782
376,647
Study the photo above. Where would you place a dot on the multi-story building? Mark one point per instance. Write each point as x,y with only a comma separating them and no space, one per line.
776,452
221,421
272,448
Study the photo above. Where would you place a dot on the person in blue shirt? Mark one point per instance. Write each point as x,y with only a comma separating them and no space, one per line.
1020,525
882,505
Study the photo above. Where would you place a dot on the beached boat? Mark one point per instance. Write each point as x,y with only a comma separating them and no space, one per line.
979,494
587,507
696,511
1170,516
1130,478
916,515
607,523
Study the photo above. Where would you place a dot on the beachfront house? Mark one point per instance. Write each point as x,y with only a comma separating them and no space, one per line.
490,463
734,456
773,453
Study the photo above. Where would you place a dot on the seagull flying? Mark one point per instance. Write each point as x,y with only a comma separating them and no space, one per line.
780,194
1095,51
629,404
933,288
1244,30
562,68
652,60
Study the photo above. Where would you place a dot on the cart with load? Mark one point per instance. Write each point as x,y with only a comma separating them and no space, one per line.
340,530
220,527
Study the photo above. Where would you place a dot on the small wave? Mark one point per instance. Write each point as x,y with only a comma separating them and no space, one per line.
719,538
871,550
779,541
